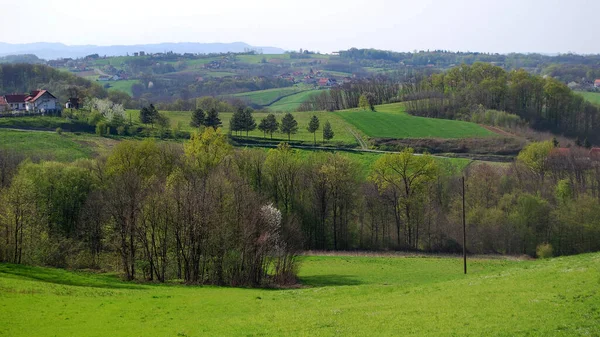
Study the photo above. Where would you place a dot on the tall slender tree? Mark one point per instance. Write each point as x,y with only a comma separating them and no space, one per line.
212,119
327,132
313,126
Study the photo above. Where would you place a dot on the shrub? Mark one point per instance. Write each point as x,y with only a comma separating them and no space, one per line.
101,128
544,251
59,131
121,130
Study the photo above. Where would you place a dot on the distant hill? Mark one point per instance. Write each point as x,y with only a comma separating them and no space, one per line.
51,51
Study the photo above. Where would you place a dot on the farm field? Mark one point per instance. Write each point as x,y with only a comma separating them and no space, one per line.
292,102
47,145
593,97
340,127
339,296
265,97
390,121
124,85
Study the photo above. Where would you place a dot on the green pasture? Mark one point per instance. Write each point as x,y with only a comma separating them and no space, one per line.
593,97
292,102
337,296
390,121
265,97
123,85
46,145
340,127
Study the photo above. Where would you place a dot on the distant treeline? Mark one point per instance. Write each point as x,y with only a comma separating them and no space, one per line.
23,78
347,96
545,103
206,213
444,58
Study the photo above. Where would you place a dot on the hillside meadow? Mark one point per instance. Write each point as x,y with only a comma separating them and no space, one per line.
390,121
593,97
337,296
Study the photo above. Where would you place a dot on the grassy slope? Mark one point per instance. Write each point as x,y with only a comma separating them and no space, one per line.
124,85
358,296
48,145
593,97
292,102
390,121
264,97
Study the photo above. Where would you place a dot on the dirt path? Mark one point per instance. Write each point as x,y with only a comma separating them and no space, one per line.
361,142
498,130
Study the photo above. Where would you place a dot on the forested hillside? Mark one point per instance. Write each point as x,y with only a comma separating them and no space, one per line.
545,103
23,78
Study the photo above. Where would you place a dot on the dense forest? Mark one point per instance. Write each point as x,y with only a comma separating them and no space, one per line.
545,103
207,213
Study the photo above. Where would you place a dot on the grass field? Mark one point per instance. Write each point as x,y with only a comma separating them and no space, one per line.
47,145
593,97
265,97
390,121
340,296
124,86
340,127
292,102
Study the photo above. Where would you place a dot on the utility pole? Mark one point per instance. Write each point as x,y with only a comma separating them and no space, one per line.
464,226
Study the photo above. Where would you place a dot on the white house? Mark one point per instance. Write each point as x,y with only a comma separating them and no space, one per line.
39,101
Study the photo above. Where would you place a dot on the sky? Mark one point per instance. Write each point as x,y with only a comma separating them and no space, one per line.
547,26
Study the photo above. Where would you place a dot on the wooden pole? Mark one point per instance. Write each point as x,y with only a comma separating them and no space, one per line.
464,226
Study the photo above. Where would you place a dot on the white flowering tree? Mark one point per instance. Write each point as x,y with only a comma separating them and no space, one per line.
108,109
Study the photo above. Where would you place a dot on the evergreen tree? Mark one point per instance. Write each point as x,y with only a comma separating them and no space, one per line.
148,115
327,132
212,119
269,125
313,126
198,118
236,122
289,125
248,122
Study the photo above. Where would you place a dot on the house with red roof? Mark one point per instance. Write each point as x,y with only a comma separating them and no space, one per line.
38,101
3,104
597,83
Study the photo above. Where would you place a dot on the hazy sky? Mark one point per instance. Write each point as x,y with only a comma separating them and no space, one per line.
322,25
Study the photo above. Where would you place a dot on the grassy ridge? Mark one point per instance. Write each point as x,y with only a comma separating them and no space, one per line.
357,296
390,121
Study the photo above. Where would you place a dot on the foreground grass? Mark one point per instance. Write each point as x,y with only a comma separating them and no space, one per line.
390,121
342,296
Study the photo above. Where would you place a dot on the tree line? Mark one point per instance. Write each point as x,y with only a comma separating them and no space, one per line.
206,213
378,90
544,103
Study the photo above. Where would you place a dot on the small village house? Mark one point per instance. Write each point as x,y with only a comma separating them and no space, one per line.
38,101
597,83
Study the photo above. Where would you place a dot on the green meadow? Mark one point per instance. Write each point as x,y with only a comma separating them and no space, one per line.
593,97
390,121
47,145
337,296
292,103
340,127
266,97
